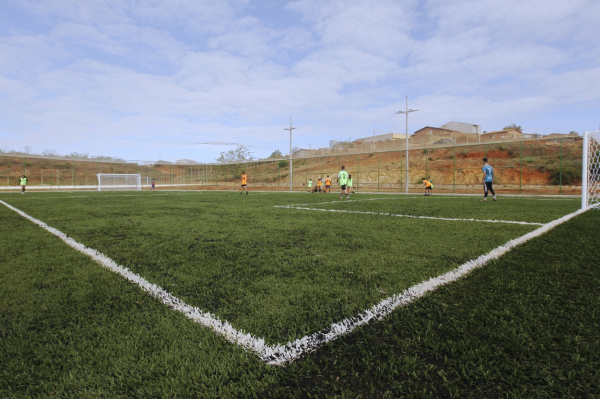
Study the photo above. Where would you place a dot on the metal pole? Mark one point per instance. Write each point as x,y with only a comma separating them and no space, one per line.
406,112
584,171
291,166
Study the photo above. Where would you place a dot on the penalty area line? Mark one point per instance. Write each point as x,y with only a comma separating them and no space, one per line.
411,216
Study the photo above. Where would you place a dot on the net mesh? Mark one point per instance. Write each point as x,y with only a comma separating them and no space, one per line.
593,169
119,182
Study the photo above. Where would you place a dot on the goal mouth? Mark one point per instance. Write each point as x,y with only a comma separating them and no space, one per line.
590,187
119,182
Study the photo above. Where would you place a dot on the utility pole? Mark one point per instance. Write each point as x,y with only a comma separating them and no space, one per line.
291,170
406,112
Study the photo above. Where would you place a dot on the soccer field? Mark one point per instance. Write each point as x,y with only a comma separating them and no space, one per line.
283,266
294,280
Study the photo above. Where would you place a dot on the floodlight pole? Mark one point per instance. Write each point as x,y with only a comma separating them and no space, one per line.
291,170
406,112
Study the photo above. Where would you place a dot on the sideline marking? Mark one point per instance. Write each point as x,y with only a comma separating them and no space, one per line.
282,354
410,216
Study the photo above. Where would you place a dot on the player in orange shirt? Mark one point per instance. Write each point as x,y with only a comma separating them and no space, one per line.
320,184
328,185
428,187
244,183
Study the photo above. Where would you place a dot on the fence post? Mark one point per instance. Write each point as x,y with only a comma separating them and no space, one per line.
378,165
560,168
426,160
521,169
454,169
278,175
357,170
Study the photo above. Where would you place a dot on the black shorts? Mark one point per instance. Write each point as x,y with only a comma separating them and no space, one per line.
343,186
243,185
428,188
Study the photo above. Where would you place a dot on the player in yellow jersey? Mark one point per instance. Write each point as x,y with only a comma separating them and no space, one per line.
328,185
320,185
244,183
428,187
23,183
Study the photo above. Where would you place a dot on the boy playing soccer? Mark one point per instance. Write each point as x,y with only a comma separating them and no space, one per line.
153,185
244,183
309,184
428,186
343,180
328,185
487,179
23,183
349,185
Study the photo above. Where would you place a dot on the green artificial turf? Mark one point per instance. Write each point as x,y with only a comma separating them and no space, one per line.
525,325
279,273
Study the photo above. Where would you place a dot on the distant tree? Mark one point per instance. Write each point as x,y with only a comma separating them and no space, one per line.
513,126
295,149
573,133
27,150
276,154
50,153
233,158
347,142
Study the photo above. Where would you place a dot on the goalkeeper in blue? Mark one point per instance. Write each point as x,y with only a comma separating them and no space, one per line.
487,179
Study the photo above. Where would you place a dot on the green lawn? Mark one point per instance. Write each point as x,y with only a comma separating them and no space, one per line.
70,327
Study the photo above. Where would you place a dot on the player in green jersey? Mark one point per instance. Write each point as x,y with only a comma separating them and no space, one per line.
343,180
23,183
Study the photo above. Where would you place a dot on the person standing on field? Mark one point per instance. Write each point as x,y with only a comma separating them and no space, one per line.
487,179
23,183
309,184
244,183
428,187
319,185
153,185
343,180
328,185
349,185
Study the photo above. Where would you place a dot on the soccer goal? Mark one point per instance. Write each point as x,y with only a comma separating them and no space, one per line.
120,182
590,177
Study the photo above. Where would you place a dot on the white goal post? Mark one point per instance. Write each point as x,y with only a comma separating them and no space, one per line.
119,182
590,176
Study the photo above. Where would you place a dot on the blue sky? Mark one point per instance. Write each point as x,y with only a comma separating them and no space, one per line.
142,79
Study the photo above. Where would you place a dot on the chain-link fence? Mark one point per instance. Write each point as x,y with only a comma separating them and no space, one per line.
548,166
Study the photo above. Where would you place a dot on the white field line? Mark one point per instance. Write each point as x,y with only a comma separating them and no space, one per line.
282,354
334,202
410,216
92,196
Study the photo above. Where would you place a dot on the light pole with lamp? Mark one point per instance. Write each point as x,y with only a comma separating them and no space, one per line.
406,112
291,170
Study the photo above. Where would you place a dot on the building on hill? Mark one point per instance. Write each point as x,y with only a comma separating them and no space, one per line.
439,135
462,127
502,135
186,162
380,137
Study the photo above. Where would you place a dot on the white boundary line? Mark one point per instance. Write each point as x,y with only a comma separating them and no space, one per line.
410,216
282,354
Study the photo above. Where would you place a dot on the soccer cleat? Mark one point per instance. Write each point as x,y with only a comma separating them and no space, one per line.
494,198
483,200
246,192
340,197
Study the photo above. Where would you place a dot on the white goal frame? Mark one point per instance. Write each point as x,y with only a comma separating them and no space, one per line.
590,175
119,182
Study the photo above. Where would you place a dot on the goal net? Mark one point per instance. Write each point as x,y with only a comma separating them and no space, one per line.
590,190
121,182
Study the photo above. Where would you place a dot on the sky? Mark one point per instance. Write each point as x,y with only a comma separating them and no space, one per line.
157,79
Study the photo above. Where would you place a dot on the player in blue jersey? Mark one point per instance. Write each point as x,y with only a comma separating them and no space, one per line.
487,179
